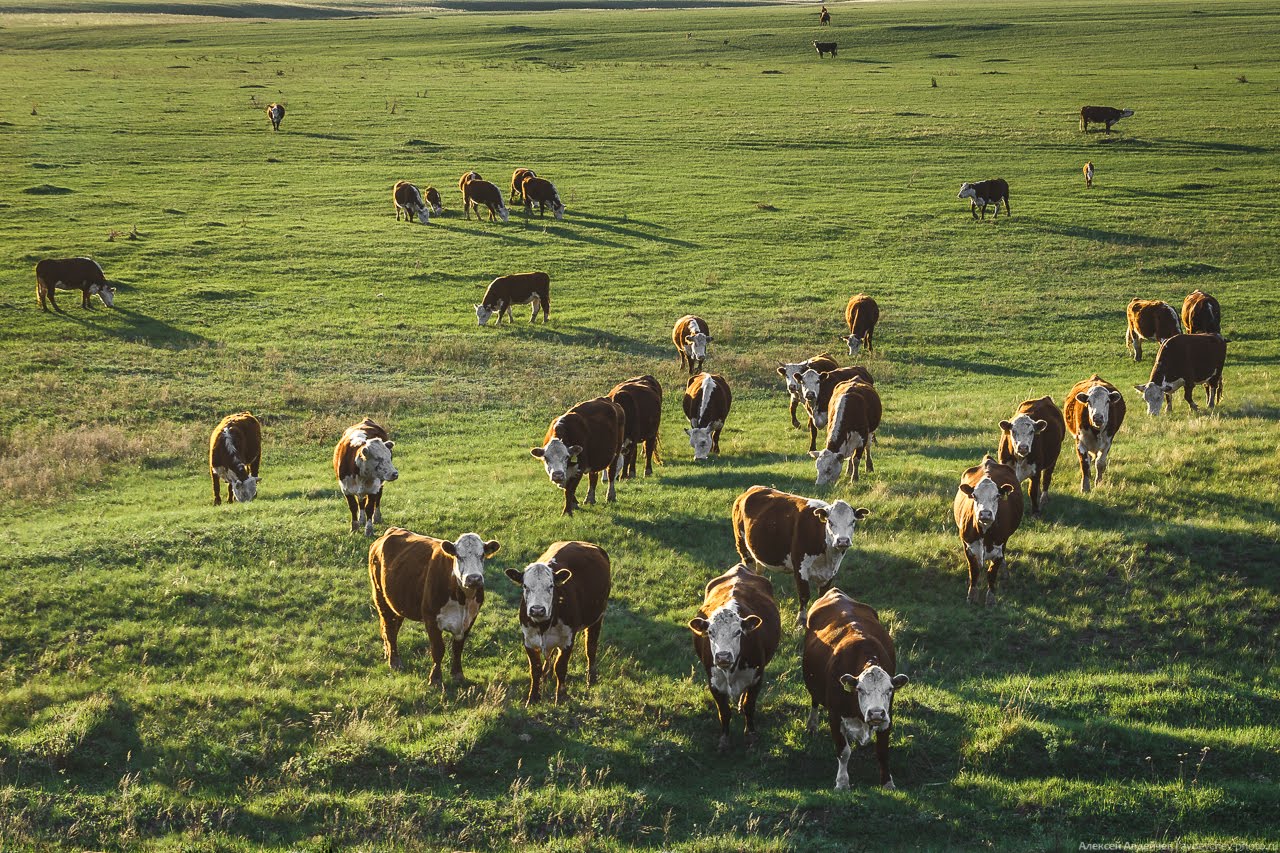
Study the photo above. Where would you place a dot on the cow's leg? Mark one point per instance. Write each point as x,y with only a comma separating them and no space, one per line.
1168,403
975,567
231,495
376,501
650,446
1083,455
217,494
1187,388
722,713
812,725
1046,478
1128,341
715,442
1100,463
355,513
84,299
612,474
1137,347
996,555
368,510
1035,493
593,648
535,675
813,435
843,751
802,593
593,477
749,710
536,305
389,624
740,544
562,672
571,495
795,423
456,644
872,330
882,758
852,468
866,448
436,636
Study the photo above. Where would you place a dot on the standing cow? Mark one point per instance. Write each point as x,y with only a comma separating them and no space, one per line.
1030,444
235,452
522,288
1201,314
82,274
517,178
983,193
825,47
1185,361
586,439
816,389
477,191
1148,320
408,201
987,510
861,315
691,337
275,113
790,373
1088,175
641,402
362,463
1093,411
707,400
853,418
543,193
1101,115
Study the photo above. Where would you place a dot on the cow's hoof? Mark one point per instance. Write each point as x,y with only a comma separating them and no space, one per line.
889,786
973,596
724,743
991,598
368,530
435,678
842,784
395,664
750,739
592,678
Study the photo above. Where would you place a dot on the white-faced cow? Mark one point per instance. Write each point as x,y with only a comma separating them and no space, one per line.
641,402
1030,444
275,113
816,390
432,195
1101,115
517,178
861,315
564,592
1149,320
825,47
82,274
691,336
235,452
543,193
852,420
586,439
1185,361
523,288
987,509
1093,411
707,400
433,581
408,201
849,664
805,537
476,192
362,463
983,193
1201,314
790,373
735,635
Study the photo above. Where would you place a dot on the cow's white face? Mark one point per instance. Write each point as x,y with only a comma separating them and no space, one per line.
986,496
560,460
106,294
874,689
483,314
373,460
696,345
1125,114
829,462
810,382
855,344
790,374
1098,399
469,554
539,583
702,442
503,214
840,520
557,207
724,630
424,213
245,490
967,191
1022,433
1153,395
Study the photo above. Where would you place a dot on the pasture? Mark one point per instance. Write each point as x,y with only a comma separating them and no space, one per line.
179,676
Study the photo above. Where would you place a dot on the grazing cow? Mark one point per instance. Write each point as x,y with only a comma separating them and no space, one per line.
235,452
1093,411
432,195
275,113
476,192
1185,361
983,193
565,591
1101,115
825,47
987,509
853,418
587,438
816,389
362,463
517,178
641,402
707,400
1088,175
468,177
1201,314
1030,444
543,193
524,288
848,659
407,200
824,18
861,315
791,374
433,581
691,336
1148,320
82,274
735,635
787,533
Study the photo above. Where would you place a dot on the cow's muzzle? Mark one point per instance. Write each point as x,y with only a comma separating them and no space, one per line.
393,476
537,611
877,718
724,660
557,478
985,517
1022,450
843,542
473,582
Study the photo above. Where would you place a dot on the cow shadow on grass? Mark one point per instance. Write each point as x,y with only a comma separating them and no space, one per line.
967,366
480,228
584,336
1103,235
138,328
554,230
734,472
614,225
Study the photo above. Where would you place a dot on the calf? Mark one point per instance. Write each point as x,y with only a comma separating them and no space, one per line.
524,288
987,509
517,178
691,336
641,402
565,591
432,195
1101,115
861,315
735,635
362,463
235,452
477,192
816,389
791,374
982,193
543,193
1030,444
82,274
1201,314
1149,319
824,18
587,438
825,47
468,177
1093,412
847,660
1185,361
407,200
275,113
853,418
1088,175
433,581
707,400
787,533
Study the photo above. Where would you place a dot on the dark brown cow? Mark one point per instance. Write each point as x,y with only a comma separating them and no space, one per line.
987,509
476,192
468,177
707,400
564,592
1093,411
362,463
1101,115
641,402
791,374
543,193
235,452
735,635
275,113
586,439
824,18
433,581
523,288
983,193
816,389
1030,444
408,201
517,178
849,661
691,336
825,47
861,315
82,274
853,416
1201,314
1185,361
787,533
432,195
1149,320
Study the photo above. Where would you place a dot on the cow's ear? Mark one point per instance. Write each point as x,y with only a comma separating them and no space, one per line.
389,444
1082,397
1006,489
699,626
899,680
491,547
574,450
815,453
845,338
966,489
1005,426
710,339
822,513
1114,396
449,548
688,431
782,371
536,451
1141,389
861,512
751,623
849,683
516,576
1041,426
562,576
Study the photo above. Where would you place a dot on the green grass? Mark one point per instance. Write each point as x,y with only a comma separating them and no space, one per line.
176,676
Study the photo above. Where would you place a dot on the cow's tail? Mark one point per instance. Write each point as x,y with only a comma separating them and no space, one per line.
545,296
657,448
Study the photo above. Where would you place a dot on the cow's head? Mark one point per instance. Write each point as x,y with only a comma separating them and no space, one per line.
539,583
810,382
840,520
560,460
790,374
245,490
695,345
724,629
105,293
432,196
373,460
1125,114
1153,395
967,190
1022,433
483,313
855,343
469,554
1098,399
873,688
702,440
986,497
557,206
829,462
503,213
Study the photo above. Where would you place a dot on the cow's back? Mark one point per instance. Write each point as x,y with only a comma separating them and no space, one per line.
344,454
641,402
410,571
1201,313
718,405
842,634
597,425
72,272
871,408
861,314
585,595
770,521
1193,358
246,435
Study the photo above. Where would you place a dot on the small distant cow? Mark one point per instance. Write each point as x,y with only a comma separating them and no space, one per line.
476,192
1093,411
407,200
563,593
815,392
517,178
983,193
82,274
1149,320
1030,444
235,452
987,509
586,439
861,315
853,418
791,375
523,288
641,402
735,635
824,18
275,113
1101,115
691,336
362,463
707,400
1201,314
543,193
433,581
825,47
1185,361
432,195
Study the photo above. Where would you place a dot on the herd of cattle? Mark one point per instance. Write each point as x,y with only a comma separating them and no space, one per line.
409,201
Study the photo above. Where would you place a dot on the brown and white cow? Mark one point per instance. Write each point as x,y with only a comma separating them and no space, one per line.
1093,411
1149,320
1201,314
586,439
82,274
362,463
522,288
433,581
235,452
517,178
815,392
987,510
735,635
641,402
543,193
1030,444
1101,115
1185,361
983,193
691,336
408,201
707,400
275,113
476,192
468,177
849,662
566,591
787,533
1088,175
790,372
852,420
861,315
432,195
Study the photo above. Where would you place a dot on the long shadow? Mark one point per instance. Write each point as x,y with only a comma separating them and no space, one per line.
966,366
140,328
491,230
333,137
1101,235
539,224
588,337
598,223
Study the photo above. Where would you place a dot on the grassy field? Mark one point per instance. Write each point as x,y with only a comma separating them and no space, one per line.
179,676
